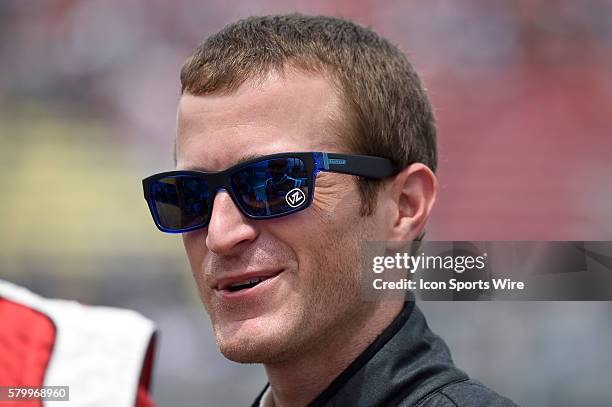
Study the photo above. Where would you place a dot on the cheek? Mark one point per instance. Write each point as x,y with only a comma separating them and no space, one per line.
199,261
195,247
324,234
331,263
336,198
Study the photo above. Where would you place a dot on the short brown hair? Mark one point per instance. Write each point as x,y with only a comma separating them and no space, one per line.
386,107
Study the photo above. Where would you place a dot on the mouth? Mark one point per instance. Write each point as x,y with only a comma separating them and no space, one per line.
243,285
245,282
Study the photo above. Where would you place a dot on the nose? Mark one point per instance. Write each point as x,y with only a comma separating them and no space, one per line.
228,229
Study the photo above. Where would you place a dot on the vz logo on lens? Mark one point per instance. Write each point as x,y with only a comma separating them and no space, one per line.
295,197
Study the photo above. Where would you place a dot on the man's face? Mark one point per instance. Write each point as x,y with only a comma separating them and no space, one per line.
310,259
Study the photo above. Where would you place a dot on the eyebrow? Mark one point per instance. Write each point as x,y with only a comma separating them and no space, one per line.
241,160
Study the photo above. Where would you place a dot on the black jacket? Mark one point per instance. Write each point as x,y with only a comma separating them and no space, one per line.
407,365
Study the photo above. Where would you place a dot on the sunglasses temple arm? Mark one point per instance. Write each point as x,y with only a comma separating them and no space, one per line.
360,165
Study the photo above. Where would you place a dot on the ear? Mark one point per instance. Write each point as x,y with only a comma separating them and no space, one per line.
414,192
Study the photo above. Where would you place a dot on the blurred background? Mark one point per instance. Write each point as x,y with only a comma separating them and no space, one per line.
523,96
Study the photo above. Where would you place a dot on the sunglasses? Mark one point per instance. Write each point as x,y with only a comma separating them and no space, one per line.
262,188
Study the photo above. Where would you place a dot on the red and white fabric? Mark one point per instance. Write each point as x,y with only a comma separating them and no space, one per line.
104,355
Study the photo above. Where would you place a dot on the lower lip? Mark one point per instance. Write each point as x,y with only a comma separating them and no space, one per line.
259,289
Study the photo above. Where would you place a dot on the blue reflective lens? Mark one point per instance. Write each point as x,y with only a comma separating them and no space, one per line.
181,201
272,187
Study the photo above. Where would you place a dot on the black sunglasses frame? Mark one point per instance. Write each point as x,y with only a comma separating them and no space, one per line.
314,162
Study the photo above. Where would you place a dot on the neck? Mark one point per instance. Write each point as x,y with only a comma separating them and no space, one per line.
297,381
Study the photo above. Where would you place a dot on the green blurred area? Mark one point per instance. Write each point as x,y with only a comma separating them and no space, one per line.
69,190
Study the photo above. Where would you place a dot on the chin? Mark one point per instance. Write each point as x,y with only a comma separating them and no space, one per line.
243,354
249,350
249,342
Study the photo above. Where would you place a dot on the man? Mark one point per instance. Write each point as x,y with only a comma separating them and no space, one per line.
282,288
